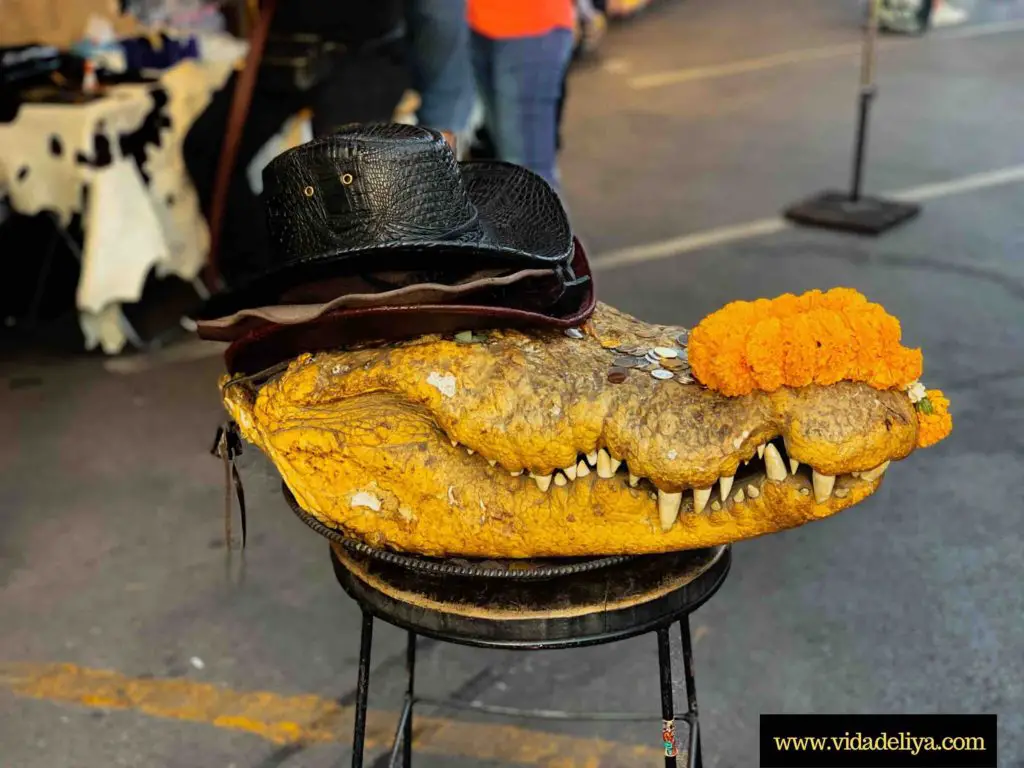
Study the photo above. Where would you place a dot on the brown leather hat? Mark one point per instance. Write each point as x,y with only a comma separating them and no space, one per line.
269,344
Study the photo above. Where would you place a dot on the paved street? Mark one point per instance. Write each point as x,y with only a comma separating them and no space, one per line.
697,124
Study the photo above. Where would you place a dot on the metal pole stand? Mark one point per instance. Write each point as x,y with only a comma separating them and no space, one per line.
852,212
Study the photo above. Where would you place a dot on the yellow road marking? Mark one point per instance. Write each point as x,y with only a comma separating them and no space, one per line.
311,719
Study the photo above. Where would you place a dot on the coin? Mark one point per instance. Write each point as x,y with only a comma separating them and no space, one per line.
631,350
666,353
683,338
684,354
617,375
661,373
674,364
574,333
627,361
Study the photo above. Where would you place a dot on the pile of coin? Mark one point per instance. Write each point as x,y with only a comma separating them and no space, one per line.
664,363
661,362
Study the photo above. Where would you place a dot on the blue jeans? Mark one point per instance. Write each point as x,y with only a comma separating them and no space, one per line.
520,82
442,74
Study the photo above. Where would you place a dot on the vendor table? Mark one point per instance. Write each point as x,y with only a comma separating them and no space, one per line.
526,605
117,160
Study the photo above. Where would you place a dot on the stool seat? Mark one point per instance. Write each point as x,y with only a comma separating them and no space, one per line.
590,607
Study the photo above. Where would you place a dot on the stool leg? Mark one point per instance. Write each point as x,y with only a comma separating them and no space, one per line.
667,708
696,759
362,691
410,667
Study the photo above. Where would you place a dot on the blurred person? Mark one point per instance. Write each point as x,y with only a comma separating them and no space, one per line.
591,26
442,71
521,51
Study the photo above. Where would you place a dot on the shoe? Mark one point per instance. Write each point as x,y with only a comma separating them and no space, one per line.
947,15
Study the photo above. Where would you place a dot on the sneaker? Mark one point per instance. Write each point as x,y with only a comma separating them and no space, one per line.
900,17
947,15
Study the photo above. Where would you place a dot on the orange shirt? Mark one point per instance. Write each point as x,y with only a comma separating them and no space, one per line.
520,18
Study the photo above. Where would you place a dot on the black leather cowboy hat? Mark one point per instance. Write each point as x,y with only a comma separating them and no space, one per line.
384,197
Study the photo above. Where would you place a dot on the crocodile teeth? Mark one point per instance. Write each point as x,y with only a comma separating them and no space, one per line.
517,473
570,471
616,463
633,480
560,479
873,474
668,508
582,470
842,493
592,458
716,505
823,485
700,499
753,491
739,498
543,481
454,444
794,465
604,464
470,451
773,465
726,486
760,451
493,462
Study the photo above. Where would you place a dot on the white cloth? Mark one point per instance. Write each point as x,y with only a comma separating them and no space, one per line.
123,239
130,227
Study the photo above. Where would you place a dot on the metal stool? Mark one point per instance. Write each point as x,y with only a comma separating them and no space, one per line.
526,605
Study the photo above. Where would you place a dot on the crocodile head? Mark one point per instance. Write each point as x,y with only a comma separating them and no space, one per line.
529,444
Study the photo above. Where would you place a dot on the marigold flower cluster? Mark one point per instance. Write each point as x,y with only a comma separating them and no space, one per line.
793,341
934,422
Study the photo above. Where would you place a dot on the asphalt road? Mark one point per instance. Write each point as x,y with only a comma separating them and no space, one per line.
913,602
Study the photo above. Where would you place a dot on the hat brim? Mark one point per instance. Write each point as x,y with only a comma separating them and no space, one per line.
272,344
522,224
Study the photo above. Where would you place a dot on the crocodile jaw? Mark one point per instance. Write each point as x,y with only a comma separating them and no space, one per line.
404,447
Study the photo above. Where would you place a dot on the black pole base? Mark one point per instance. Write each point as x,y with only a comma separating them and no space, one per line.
838,211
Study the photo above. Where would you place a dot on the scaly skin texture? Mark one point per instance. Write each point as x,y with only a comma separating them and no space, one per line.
363,440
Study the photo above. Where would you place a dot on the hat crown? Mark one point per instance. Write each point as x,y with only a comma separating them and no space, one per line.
362,187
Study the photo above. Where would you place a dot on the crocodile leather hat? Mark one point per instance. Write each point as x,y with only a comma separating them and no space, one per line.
393,197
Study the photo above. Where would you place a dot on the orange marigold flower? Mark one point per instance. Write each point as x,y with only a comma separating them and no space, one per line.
814,338
764,345
934,421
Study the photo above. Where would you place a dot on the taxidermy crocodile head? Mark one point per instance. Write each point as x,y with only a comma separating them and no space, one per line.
598,441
